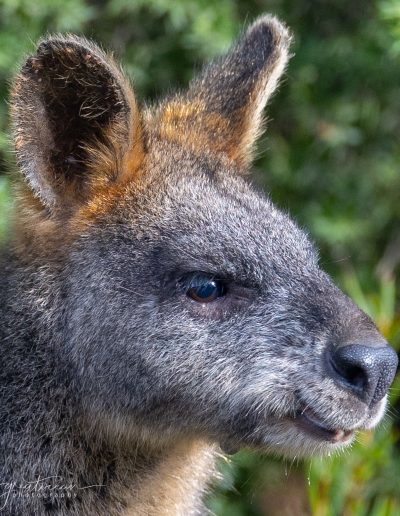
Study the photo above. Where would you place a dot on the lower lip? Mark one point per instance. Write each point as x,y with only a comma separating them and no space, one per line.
307,423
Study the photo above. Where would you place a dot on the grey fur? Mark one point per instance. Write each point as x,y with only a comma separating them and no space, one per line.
109,370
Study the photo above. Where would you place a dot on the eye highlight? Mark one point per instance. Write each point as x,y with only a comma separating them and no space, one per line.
205,289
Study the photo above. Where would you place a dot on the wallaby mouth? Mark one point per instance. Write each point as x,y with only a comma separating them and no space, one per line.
310,423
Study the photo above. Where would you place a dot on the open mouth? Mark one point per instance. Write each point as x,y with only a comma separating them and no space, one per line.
307,421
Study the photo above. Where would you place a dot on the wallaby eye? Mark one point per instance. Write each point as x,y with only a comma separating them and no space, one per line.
204,289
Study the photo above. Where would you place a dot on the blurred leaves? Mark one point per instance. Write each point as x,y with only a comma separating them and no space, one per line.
331,156
389,11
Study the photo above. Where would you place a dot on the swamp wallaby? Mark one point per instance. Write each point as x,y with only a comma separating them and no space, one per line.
154,306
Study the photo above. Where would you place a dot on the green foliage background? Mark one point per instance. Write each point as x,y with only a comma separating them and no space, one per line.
331,156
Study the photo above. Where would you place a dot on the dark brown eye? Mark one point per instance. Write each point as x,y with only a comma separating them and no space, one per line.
205,290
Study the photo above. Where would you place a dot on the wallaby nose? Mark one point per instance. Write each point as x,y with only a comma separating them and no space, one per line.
367,371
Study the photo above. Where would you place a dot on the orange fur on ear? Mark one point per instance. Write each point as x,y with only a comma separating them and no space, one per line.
222,110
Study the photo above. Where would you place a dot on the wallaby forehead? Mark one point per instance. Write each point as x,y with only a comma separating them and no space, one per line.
227,215
200,215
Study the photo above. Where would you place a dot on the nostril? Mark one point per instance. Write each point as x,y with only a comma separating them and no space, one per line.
356,377
367,371
353,375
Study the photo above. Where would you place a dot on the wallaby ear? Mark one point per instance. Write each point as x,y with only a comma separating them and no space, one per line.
76,122
223,107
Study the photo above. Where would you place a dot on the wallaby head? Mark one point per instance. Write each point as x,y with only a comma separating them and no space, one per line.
176,298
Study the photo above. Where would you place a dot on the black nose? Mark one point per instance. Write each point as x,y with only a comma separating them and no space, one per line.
367,371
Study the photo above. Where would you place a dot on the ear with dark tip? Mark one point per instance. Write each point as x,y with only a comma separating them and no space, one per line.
75,119
225,102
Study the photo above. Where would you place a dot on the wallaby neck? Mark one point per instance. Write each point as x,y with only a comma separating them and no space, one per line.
112,483
50,466
53,462
177,484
